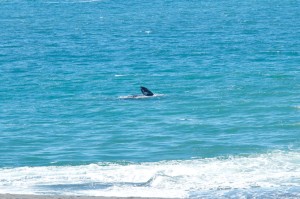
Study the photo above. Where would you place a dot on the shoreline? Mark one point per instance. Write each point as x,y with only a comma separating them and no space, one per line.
30,196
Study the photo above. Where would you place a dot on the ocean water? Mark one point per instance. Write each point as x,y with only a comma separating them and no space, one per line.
224,123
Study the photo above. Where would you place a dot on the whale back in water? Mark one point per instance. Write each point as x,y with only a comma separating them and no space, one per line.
146,91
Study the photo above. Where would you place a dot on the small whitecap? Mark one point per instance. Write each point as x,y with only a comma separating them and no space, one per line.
120,75
184,119
297,107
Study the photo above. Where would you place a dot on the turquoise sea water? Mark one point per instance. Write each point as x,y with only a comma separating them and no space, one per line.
225,122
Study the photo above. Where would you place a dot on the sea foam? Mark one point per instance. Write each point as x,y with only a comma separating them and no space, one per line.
237,176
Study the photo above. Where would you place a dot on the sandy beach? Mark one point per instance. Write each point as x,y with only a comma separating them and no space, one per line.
19,196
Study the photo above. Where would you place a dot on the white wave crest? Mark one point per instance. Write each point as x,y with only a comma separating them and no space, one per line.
183,179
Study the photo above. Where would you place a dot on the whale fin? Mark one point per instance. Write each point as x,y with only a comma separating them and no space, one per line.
146,91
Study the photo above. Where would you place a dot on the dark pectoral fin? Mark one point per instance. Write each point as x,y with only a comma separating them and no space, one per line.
146,91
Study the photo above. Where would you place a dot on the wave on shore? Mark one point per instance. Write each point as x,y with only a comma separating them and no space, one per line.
275,174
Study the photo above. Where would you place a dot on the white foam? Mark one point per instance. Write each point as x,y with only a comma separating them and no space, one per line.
157,179
297,107
119,75
139,96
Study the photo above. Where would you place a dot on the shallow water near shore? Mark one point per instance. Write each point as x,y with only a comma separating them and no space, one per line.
224,121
